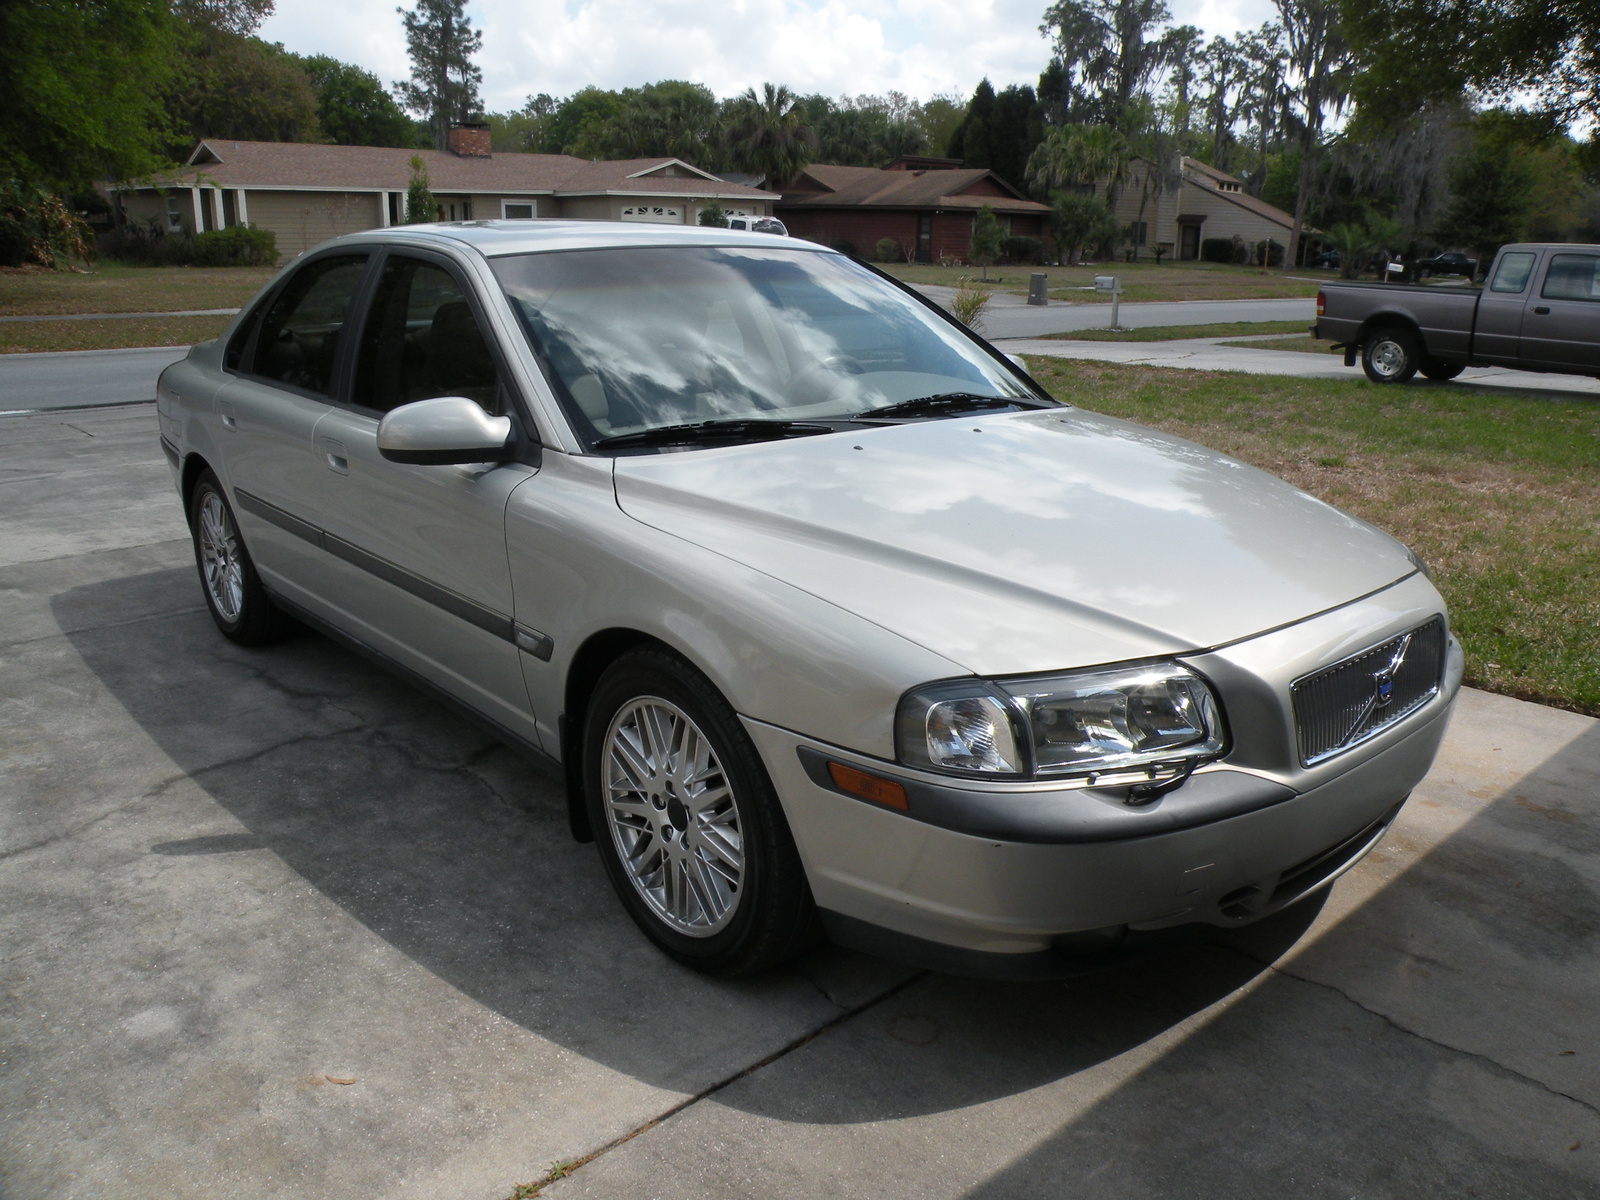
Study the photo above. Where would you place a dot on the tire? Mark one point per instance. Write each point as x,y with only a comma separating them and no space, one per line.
1441,372
238,602
686,820
1390,355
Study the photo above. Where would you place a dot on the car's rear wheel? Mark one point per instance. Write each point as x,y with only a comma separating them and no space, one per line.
686,820
1390,355
1441,371
238,602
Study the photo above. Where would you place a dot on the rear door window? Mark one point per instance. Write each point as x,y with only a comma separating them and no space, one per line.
1572,277
422,341
1512,273
300,334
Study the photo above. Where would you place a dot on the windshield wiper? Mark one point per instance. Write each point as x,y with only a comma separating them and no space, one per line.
739,429
944,404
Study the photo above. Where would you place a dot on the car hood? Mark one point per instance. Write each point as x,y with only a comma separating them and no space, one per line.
1021,542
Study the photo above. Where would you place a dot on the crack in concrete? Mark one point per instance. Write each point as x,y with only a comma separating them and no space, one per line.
567,1168
1395,1024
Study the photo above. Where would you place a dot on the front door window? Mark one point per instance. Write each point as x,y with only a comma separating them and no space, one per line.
422,341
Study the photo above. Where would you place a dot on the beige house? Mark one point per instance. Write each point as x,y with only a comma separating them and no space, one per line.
1200,202
308,193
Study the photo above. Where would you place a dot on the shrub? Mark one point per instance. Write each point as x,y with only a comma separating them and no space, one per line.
845,246
1228,250
1273,251
888,250
714,214
969,302
1019,249
38,227
421,207
150,245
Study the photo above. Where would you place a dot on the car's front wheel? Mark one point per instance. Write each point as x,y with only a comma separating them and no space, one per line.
238,602
1390,355
686,820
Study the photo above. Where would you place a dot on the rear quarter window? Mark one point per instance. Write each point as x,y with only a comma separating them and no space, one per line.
1572,277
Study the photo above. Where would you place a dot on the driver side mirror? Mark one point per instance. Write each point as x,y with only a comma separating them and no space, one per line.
443,431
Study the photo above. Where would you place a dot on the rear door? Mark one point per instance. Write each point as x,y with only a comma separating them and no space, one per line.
284,373
1497,332
1561,331
422,549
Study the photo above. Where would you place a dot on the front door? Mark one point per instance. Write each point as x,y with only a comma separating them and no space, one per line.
1189,246
423,548
925,237
1561,330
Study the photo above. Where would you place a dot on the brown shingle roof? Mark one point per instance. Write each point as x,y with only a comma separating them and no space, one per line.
305,165
858,186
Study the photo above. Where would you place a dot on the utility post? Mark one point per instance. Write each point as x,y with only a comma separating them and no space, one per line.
1111,285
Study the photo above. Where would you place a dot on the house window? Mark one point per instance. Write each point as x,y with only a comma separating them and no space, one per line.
1141,232
466,210
516,212
661,214
174,216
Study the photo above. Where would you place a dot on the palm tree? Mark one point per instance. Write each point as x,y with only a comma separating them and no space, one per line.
1075,156
768,135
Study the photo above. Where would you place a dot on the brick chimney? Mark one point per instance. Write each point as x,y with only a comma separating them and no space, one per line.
469,140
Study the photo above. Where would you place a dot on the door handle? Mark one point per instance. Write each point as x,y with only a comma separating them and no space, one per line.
335,455
1542,309
225,411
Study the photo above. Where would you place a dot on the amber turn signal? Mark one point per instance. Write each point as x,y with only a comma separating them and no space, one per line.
869,787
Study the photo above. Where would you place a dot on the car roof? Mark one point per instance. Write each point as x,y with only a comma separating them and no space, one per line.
499,237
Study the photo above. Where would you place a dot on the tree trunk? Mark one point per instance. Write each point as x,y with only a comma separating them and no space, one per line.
1302,196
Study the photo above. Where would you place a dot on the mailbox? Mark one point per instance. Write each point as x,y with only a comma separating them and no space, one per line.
1105,283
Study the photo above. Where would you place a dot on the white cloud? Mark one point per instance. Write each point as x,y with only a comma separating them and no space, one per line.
920,47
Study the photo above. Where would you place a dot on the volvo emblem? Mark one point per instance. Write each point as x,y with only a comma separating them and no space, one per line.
1383,679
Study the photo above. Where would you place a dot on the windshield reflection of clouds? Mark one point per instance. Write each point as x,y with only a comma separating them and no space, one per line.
640,338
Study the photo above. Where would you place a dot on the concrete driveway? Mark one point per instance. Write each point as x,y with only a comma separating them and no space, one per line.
274,925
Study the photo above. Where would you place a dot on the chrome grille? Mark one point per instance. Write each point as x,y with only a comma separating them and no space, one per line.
1343,705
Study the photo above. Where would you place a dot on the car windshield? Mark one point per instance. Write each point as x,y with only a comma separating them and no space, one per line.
640,339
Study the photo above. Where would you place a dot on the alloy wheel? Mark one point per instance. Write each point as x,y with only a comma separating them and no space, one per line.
221,565
673,816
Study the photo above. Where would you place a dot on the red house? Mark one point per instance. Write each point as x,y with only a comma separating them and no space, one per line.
925,205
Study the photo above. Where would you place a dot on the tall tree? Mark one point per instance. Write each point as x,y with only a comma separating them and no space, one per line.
1413,51
1115,48
353,109
237,86
579,121
1076,158
444,82
84,84
1220,69
768,136
970,140
1320,69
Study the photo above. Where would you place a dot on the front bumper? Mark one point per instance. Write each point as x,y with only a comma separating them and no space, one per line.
1233,844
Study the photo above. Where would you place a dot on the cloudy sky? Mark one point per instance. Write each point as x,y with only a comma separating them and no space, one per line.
919,47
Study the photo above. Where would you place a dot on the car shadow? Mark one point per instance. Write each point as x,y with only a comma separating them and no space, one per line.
455,851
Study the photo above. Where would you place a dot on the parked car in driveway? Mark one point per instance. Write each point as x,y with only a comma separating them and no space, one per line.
1451,262
826,612
1538,310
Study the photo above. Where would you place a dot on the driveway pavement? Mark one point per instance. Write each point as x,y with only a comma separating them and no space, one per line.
274,925
1215,354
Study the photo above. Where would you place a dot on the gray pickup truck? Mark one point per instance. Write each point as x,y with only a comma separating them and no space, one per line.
1537,310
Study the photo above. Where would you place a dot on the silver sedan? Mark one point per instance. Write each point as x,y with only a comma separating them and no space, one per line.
832,620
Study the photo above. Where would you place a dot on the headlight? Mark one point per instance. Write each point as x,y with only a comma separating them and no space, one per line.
1115,720
1416,561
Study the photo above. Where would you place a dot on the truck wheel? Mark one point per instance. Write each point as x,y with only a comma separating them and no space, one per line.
1390,355
1441,371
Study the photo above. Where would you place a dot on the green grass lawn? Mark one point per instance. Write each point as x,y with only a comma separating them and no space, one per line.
1140,281
23,337
1172,333
1500,494
111,288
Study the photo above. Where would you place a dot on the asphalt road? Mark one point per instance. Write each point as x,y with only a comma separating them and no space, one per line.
274,925
1008,316
82,378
